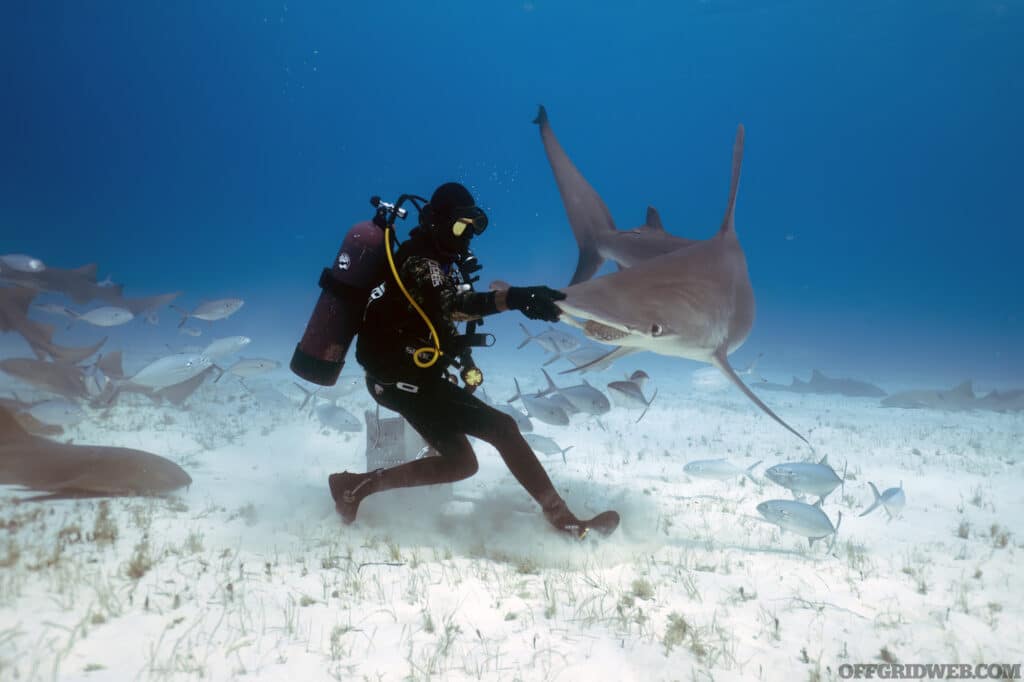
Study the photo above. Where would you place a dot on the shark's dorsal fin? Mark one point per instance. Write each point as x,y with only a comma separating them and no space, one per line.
11,431
729,221
87,271
816,375
965,389
111,365
824,460
653,219
21,297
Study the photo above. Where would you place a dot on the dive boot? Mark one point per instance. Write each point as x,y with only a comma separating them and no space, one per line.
566,522
348,490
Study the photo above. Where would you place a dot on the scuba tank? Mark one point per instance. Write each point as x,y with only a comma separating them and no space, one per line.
338,314
345,288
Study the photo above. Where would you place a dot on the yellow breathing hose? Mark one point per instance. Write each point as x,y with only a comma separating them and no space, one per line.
435,352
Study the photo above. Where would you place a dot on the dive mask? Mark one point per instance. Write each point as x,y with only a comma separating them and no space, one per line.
469,218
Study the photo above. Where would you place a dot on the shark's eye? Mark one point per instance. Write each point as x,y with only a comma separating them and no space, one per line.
656,329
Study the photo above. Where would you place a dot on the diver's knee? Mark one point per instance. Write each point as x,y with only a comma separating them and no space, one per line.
466,466
505,427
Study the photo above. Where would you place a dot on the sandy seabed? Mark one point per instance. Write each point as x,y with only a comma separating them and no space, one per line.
249,574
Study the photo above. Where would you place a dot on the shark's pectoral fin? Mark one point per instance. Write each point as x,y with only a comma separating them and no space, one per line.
605,360
719,360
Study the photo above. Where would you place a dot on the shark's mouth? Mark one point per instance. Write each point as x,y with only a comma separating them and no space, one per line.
602,332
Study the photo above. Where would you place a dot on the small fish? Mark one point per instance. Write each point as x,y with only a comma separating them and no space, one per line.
107,283
806,477
338,418
190,331
171,369
711,379
229,345
718,469
591,358
542,340
522,421
892,501
800,518
57,412
211,310
630,393
541,408
639,377
583,397
250,367
21,263
54,309
105,316
545,445
564,343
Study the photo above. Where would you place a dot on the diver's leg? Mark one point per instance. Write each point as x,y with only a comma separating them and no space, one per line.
476,418
428,413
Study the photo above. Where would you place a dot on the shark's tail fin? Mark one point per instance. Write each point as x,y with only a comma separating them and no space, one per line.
720,361
835,535
519,392
529,336
878,500
551,384
557,356
184,315
729,221
648,406
75,355
111,365
749,471
309,394
11,430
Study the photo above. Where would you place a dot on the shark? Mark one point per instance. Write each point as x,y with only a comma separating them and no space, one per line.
960,397
66,380
673,296
78,284
826,385
61,471
14,306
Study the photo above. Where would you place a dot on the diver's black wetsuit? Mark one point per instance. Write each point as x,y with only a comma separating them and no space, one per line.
443,413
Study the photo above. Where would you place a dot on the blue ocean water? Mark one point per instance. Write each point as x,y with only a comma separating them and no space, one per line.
223,149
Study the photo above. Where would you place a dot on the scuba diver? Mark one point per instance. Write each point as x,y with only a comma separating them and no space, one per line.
407,342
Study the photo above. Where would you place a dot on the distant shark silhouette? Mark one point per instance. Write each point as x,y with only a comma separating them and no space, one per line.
60,471
78,284
960,397
60,378
14,304
821,384
694,300
144,304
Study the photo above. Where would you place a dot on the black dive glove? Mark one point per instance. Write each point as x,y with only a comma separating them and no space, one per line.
537,303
